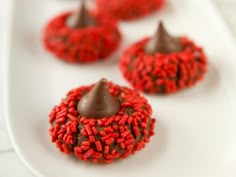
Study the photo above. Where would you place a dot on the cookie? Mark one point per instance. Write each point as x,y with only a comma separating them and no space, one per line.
81,37
129,9
102,122
163,64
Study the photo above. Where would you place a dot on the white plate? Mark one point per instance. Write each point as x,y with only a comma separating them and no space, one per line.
195,131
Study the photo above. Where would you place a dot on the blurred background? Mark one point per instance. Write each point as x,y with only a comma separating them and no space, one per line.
10,165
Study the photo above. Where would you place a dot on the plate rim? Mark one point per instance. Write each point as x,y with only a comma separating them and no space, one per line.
6,92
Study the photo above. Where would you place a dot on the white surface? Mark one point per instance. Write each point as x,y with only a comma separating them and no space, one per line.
12,166
19,170
228,8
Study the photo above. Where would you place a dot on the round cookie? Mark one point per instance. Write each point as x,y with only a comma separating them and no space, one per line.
129,9
82,36
163,64
102,122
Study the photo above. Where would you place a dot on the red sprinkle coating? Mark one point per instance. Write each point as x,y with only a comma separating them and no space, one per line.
163,73
106,139
84,44
128,9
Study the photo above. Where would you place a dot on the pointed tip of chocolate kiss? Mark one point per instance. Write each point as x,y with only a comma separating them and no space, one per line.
98,102
81,18
161,27
162,42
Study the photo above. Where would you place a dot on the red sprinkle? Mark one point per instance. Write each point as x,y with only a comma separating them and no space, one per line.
95,132
58,144
110,120
115,127
119,140
55,131
106,149
98,145
109,141
77,149
88,129
91,139
97,155
71,117
88,153
84,132
130,141
122,145
85,147
108,129
86,143
95,160
124,134
103,133
107,161
65,148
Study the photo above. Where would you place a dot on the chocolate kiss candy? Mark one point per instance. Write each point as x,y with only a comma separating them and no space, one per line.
81,19
162,42
98,102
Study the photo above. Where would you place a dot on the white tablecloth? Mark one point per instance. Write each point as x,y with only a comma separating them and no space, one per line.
10,164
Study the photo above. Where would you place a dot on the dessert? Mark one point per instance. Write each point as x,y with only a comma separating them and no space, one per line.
101,122
163,63
128,9
82,36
